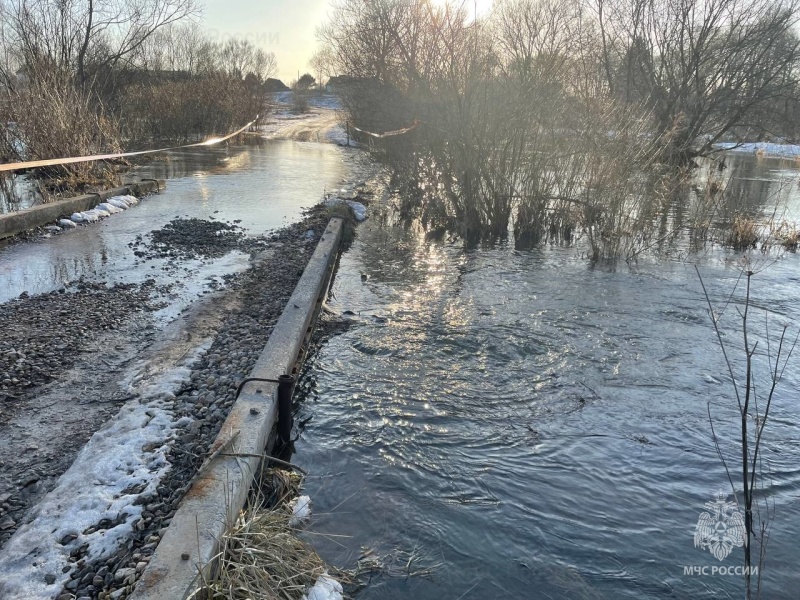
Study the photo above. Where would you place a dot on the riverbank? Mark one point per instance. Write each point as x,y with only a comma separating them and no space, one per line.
178,384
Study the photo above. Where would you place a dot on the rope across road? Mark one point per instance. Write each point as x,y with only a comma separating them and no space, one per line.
48,162
32,164
387,133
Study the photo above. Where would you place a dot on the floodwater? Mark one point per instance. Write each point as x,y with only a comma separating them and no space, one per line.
506,424
497,423
265,186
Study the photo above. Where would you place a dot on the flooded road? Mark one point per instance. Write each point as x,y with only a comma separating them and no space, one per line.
72,362
264,186
531,427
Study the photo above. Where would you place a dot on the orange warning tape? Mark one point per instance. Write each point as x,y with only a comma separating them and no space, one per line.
76,159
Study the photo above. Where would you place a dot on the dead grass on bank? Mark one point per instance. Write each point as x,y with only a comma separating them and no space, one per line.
262,556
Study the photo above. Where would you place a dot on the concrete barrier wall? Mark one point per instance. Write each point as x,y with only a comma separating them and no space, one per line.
191,543
42,214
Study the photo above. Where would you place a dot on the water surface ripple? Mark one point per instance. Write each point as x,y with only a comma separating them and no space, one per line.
536,425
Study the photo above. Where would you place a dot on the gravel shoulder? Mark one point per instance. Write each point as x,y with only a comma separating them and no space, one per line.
255,300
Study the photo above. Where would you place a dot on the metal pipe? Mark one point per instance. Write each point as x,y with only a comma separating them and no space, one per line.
285,389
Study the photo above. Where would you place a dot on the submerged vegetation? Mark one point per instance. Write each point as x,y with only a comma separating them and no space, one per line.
564,120
754,387
266,553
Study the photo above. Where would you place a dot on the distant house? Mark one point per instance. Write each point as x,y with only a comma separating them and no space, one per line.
275,85
339,83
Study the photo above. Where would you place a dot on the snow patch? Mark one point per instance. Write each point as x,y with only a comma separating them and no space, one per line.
127,200
119,203
359,210
109,208
763,148
301,511
67,224
326,588
113,205
157,381
99,212
338,135
122,460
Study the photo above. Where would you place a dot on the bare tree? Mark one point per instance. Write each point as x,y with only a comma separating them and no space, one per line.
754,404
705,67
86,37
240,57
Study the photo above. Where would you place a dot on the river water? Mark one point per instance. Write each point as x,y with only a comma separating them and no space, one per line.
497,423
528,426
265,186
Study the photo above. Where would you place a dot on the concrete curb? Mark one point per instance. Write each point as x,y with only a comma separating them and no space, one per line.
191,543
30,218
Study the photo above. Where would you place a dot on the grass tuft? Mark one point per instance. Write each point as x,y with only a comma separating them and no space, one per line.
262,556
743,233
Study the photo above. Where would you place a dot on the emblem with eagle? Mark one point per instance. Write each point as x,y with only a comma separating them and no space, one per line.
721,529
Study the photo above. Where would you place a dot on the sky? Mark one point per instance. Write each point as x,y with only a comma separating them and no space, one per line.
285,27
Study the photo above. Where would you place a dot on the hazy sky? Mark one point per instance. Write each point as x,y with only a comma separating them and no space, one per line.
285,27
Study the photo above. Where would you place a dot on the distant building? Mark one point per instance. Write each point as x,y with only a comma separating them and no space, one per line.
275,85
339,83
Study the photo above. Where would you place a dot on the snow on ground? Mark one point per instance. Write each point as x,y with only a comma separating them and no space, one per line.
359,210
105,209
338,135
765,148
326,588
315,100
324,122
326,101
125,458
301,511
345,195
